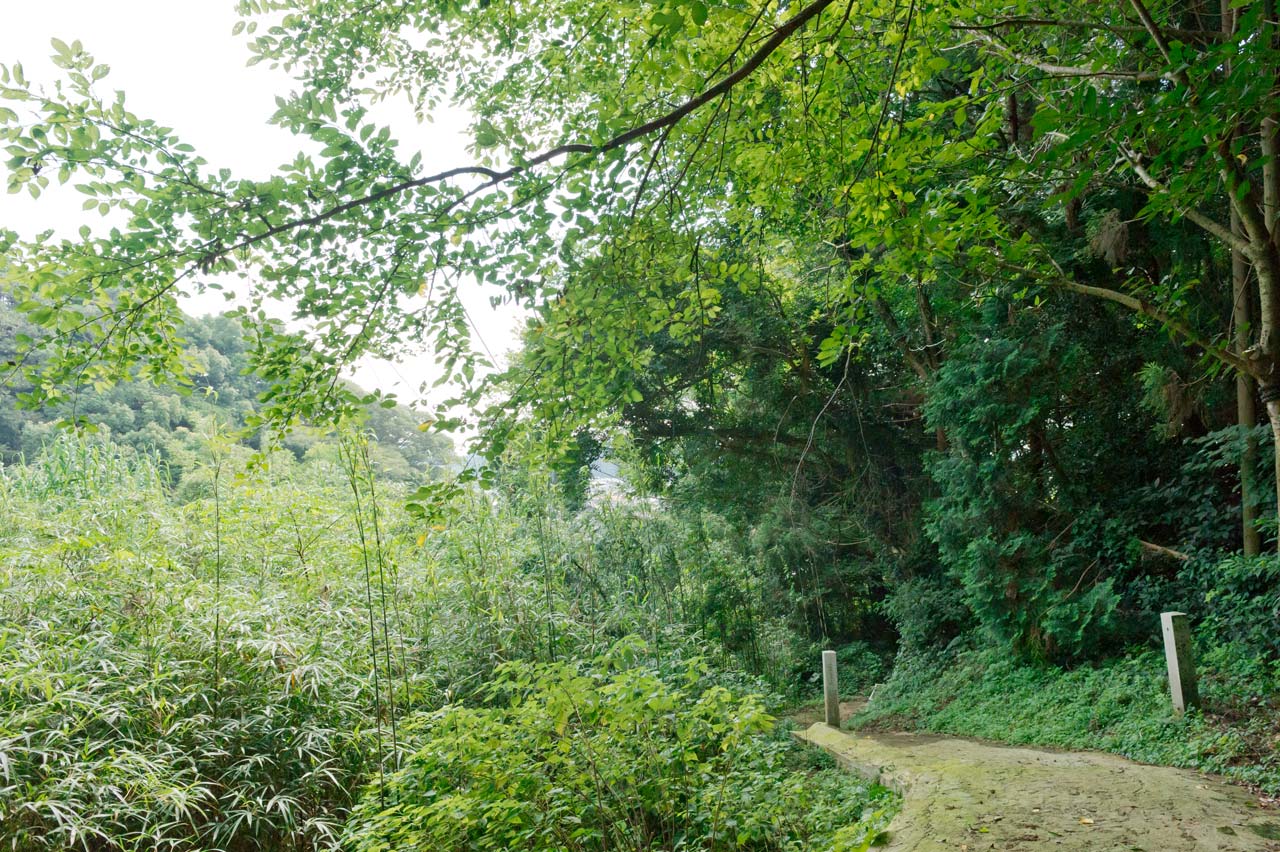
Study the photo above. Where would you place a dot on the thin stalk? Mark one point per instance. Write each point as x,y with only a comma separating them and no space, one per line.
546,580
380,556
217,586
349,464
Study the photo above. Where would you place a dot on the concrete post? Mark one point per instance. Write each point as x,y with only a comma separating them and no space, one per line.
830,689
1180,660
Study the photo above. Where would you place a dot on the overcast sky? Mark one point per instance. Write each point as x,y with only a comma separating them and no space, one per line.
178,63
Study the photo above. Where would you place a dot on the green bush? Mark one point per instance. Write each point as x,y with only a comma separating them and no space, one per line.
860,667
996,520
614,755
1241,603
928,610
168,681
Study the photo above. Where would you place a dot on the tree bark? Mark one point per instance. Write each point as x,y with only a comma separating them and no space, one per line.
1267,261
1266,266
1246,410
1267,276
1242,322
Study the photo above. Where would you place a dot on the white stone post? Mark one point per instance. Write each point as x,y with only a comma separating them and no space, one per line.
830,689
1180,660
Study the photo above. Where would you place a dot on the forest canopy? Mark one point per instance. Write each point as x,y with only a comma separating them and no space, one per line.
968,307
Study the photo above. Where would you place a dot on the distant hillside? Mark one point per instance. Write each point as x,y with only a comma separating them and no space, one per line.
169,421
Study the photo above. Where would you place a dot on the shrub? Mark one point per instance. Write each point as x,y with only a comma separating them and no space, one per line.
1242,603
611,755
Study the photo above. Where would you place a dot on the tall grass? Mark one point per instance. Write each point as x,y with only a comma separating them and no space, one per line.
79,468
224,667
139,709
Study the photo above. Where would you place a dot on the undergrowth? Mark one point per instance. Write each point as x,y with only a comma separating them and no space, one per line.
228,665
617,753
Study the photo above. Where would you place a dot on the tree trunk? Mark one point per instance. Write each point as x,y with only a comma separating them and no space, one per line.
1273,411
1266,267
1242,327
1267,264
1246,410
1266,259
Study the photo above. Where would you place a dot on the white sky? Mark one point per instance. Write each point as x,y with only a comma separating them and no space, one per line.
178,63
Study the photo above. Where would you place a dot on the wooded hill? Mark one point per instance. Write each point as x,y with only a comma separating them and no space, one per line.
220,394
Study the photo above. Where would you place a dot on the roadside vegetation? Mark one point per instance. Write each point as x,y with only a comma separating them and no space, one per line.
239,662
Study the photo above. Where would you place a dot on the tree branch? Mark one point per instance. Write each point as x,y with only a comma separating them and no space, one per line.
1161,550
885,312
1140,306
1070,70
1162,44
495,177
1243,198
1010,23
1214,227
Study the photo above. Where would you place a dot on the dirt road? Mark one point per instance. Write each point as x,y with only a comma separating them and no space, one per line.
964,796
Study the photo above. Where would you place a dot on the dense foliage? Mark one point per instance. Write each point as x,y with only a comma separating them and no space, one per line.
913,328
853,278
616,755
178,675
221,393
228,666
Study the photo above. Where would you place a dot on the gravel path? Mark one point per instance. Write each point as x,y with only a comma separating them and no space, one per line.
963,796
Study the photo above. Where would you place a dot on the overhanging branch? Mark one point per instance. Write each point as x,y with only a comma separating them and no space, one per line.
495,177
1056,70
1216,228
1140,306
